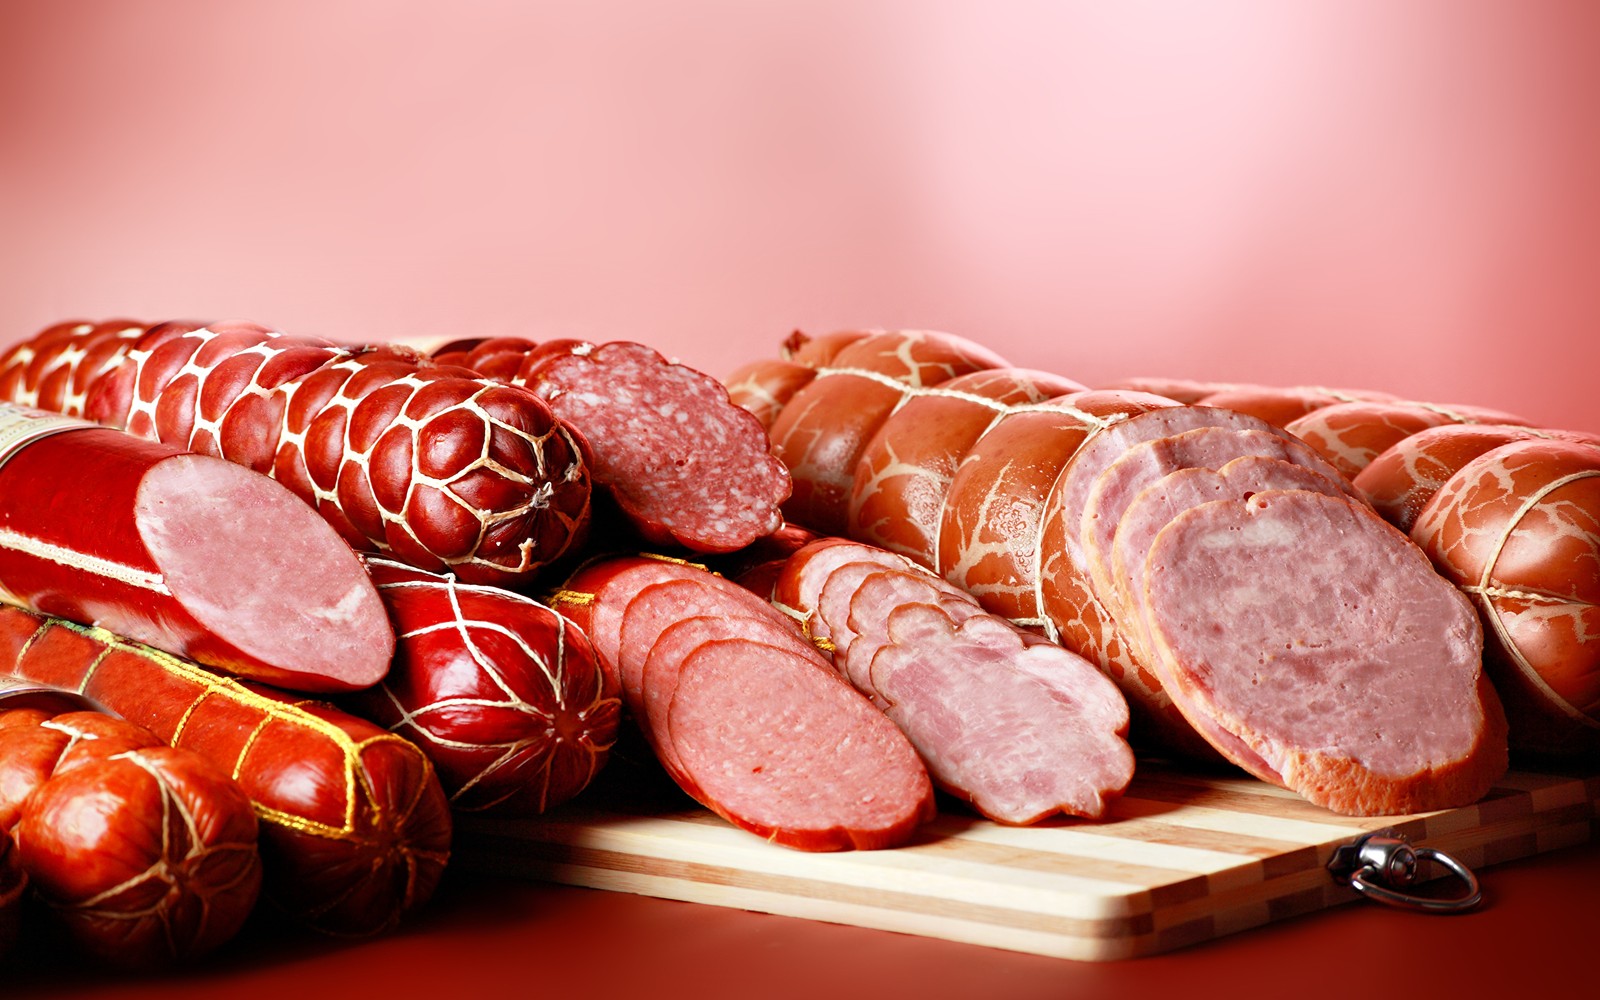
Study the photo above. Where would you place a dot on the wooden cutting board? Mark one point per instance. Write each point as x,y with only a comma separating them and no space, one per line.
1185,857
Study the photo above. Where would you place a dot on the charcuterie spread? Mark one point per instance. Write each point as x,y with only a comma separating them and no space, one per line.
880,578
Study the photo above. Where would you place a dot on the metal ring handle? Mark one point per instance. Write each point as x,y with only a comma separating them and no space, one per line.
1367,881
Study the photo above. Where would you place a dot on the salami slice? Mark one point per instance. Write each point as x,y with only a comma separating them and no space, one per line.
791,753
684,464
1369,699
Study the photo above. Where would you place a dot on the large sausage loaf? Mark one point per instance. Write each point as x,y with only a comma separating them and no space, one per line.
184,552
1518,530
426,462
355,829
503,694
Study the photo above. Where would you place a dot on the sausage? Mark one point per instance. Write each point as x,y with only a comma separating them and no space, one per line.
990,524
1277,405
764,386
1155,506
1401,480
900,481
1015,726
1179,390
13,886
684,465
147,857
502,693
170,548
1518,530
1078,617
820,435
355,828
428,463
31,754
790,753
1350,435
1146,462
55,369
759,730
1369,700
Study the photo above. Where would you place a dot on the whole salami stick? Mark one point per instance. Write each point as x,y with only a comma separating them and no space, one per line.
169,548
355,829
426,462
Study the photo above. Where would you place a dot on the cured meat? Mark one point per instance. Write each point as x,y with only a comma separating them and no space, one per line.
1145,463
55,369
1518,530
764,387
994,506
185,552
1277,405
355,829
503,694
767,737
1155,506
13,884
1179,390
148,857
1017,727
820,435
899,485
684,465
429,463
1369,700
791,753
1078,617
30,754
1350,435
1401,480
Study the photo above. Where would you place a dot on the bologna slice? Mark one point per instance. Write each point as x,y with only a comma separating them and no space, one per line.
1366,696
187,553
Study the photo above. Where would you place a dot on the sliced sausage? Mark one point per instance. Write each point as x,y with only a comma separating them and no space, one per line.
188,553
791,753
1368,697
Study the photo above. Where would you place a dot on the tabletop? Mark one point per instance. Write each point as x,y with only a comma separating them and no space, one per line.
484,935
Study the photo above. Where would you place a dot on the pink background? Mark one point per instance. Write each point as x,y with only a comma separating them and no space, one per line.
1396,195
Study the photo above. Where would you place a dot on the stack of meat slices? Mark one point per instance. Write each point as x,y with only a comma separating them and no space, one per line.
1305,638
1005,720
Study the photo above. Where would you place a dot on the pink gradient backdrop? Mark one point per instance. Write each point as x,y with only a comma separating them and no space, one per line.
1400,195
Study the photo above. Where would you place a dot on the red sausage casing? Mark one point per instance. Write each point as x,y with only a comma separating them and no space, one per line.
184,552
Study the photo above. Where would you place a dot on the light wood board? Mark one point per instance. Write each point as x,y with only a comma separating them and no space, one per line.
1185,857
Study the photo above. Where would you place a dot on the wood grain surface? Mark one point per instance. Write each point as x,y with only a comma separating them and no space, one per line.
1186,857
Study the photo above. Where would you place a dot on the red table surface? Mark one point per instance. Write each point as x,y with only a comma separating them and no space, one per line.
1536,935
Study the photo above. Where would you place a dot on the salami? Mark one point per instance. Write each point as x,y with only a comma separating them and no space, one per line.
184,552
684,465
1518,530
55,369
1369,700
148,857
355,829
503,694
